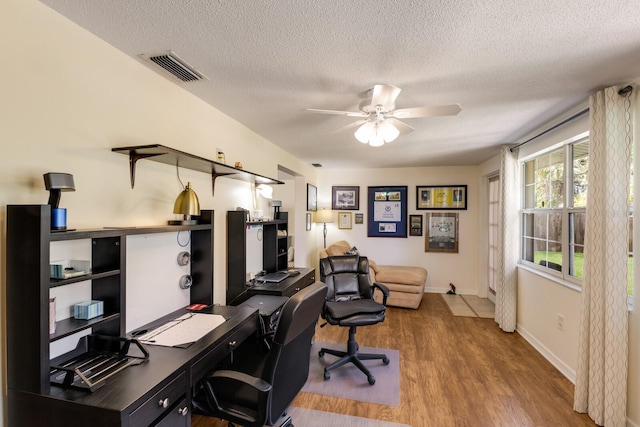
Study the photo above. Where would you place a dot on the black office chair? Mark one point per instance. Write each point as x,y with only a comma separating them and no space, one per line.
350,303
262,396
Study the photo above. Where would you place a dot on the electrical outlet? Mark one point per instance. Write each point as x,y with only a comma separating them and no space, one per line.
560,320
220,155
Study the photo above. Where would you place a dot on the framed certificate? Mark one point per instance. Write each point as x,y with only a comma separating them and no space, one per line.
387,216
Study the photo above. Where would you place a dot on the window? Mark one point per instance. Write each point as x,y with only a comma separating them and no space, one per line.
553,218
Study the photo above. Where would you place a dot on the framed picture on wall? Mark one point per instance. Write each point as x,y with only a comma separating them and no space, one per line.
308,224
415,225
387,216
359,218
312,198
344,220
441,232
345,198
450,197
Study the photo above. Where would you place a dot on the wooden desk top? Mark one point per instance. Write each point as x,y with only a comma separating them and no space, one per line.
127,390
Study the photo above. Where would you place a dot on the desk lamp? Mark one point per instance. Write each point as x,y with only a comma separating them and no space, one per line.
56,183
324,216
187,204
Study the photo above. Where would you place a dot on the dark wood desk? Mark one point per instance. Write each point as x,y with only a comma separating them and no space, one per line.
288,286
156,392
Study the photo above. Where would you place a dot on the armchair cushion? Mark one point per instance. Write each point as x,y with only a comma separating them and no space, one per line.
338,248
401,274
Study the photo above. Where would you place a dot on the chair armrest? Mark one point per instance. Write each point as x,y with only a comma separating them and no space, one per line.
226,378
226,383
385,291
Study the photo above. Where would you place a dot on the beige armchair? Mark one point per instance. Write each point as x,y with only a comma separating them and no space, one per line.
406,283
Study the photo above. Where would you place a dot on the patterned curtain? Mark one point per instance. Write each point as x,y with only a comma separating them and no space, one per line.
508,232
601,377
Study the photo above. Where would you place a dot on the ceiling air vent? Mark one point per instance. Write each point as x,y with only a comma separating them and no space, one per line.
174,65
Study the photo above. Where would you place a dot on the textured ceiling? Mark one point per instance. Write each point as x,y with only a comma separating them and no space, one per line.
512,66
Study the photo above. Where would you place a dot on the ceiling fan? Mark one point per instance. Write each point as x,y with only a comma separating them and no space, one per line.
379,118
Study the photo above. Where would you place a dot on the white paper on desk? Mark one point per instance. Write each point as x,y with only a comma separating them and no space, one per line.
184,330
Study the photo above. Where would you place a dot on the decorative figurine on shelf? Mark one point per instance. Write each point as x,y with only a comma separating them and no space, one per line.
238,165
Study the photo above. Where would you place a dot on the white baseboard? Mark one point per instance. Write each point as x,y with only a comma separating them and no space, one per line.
547,354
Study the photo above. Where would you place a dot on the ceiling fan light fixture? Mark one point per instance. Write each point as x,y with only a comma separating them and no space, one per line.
376,133
376,140
379,111
364,132
388,131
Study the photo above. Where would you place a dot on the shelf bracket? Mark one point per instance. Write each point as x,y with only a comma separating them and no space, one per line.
133,158
215,175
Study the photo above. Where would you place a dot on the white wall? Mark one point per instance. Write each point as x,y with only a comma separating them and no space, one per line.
67,98
461,269
540,301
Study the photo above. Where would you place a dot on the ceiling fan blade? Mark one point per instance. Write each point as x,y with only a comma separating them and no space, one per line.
401,126
437,110
338,112
385,95
349,126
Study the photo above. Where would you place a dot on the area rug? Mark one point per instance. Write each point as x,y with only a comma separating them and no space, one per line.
313,418
469,306
348,382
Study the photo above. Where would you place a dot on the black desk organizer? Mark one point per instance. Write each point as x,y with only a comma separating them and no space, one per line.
95,359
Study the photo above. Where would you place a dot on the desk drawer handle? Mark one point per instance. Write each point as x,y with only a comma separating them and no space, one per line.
232,346
183,411
164,402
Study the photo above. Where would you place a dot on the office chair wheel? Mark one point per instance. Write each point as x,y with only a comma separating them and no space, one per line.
385,360
371,379
327,376
321,353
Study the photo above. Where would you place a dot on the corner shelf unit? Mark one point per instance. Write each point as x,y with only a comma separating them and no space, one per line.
170,156
29,237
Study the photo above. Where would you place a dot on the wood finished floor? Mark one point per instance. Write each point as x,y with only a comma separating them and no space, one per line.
455,371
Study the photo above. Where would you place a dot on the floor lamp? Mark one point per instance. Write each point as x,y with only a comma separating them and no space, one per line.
324,216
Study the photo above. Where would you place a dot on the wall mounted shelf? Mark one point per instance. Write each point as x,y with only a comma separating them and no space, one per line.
170,156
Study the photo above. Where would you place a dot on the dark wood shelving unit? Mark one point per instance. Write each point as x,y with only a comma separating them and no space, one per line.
29,237
89,276
169,156
70,326
274,253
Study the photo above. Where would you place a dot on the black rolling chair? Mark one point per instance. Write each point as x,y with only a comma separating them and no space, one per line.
263,396
350,303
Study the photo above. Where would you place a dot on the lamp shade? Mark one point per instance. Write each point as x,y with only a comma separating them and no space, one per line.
364,132
388,131
56,182
187,202
323,216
